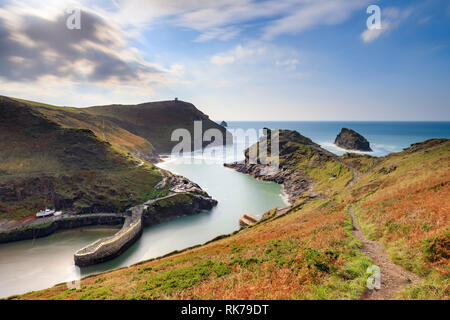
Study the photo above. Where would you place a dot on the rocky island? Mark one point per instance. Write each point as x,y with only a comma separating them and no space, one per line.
351,140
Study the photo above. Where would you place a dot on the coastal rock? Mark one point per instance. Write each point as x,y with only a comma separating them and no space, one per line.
351,140
292,148
182,184
175,206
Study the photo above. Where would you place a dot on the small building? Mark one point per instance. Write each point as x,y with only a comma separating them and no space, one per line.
176,99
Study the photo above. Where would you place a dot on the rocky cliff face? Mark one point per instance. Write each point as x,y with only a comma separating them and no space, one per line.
351,140
297,153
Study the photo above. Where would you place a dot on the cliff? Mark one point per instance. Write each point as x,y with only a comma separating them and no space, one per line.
302,165
44,164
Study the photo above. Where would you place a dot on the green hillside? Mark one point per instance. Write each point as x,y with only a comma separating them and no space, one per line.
84,159
309,250
44,163
144,130
155,121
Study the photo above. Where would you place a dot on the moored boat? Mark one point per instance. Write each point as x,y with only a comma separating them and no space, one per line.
45,213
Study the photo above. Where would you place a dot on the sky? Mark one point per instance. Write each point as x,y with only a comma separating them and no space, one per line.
296,60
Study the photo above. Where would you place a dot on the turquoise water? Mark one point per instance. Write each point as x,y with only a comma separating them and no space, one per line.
236,194
33,265
37,264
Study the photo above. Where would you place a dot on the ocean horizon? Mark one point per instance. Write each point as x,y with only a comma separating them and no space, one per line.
384,136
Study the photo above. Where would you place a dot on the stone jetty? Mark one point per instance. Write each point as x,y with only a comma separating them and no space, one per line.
111,247
248,220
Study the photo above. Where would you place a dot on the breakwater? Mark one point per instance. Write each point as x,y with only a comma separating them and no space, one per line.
111,247
150,213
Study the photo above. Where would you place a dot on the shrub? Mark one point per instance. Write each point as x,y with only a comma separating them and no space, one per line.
437,247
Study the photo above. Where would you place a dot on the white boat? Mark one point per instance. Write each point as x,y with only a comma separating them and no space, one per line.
45,213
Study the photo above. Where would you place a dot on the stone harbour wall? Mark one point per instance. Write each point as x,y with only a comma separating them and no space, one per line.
108,248
46,226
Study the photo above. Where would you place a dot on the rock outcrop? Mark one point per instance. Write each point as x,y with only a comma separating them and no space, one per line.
293,148
351,140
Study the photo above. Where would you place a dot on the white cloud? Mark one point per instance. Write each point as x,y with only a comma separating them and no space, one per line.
238,53
424,19
38,50
312,14
391,18
289,64
222,34
224,19
371,34
221,60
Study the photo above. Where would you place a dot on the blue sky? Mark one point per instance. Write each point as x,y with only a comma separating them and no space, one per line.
235,60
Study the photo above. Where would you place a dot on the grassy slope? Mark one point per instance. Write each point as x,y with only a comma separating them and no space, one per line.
155,121
104,129
310,253
46,164
306,254
404,202
140,129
